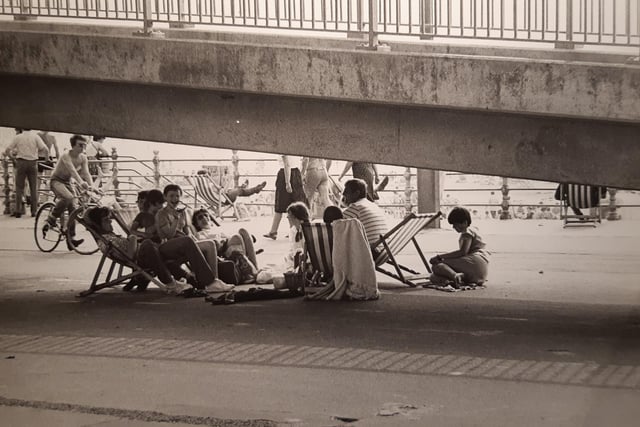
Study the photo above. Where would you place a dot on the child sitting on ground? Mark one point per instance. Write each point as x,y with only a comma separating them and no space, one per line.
469,264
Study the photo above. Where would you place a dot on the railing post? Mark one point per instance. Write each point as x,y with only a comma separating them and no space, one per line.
568,43
407,191
505,214
25,12
613,215
114,178
635,59
427,29
235,160
373,42
7,188
147,21
428,184
156,167
183,17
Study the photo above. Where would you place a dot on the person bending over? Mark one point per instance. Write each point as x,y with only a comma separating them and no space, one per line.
469,265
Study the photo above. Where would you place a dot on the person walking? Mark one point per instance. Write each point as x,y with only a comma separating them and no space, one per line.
24,149
316,178
368,172
289,189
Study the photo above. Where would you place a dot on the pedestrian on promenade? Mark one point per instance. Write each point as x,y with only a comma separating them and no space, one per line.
24,149
95,152
289,189
468,265
72,164
368,172
316,178
45,162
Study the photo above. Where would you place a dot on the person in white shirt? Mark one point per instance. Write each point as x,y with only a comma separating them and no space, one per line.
24,149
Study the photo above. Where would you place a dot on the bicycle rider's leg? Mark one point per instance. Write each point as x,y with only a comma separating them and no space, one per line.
65,199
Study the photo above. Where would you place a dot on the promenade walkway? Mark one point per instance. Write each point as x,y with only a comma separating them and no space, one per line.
534,260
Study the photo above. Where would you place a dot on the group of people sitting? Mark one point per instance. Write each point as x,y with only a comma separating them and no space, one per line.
163,239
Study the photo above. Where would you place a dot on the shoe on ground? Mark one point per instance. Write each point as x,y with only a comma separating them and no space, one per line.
177,287
219,286
17,215
271,235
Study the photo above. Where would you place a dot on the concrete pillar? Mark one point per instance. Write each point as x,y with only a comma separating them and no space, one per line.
429,192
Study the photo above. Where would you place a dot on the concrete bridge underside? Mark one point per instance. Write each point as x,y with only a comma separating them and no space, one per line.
557,139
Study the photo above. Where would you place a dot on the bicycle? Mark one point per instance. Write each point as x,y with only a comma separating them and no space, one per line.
48,236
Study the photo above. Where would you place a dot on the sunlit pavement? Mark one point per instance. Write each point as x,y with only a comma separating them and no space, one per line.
552,340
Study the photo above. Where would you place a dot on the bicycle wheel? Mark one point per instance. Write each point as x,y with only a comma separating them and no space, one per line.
88,245
47,237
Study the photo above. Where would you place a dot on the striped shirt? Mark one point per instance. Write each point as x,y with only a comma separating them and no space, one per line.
371,217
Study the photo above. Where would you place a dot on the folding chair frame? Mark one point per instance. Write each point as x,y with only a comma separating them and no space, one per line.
386,255
118,258
589,198
199,184
315,280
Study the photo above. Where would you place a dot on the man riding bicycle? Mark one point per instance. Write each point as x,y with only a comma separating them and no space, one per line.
72,164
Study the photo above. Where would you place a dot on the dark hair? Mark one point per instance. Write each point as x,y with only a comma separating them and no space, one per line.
356,186
172,187
143,194
331,213
96,215
18,130
196,214
299,210
459,215
98,137
77,138
153,196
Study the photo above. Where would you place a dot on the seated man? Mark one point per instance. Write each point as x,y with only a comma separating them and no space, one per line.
145,254
172,228
358,206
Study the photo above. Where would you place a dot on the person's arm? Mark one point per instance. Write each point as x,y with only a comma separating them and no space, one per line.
167,228
84,170
287,174
101,150
68,163
344,171
327,164
304,164
10,149
136,226
55,147
465,244
132,247
42,147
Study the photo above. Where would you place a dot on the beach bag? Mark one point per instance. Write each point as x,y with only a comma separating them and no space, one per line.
227,272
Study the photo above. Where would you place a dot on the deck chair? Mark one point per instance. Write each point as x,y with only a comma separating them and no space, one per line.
582,197
212,193
119,262
392,243
317,261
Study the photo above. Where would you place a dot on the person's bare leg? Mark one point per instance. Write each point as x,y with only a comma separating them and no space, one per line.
249,249
273,233
210,252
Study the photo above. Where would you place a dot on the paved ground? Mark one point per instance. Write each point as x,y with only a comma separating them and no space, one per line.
553,340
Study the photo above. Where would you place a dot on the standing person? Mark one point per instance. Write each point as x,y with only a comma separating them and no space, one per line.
72,164
46,162
368,172
96,151
467,265
25,148
316,178
289,189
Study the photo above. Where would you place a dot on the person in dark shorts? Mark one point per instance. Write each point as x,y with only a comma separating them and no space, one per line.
289,189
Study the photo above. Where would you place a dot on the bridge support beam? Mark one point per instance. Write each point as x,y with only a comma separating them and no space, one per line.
533,147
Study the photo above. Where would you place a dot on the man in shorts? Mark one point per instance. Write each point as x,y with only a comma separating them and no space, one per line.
72,164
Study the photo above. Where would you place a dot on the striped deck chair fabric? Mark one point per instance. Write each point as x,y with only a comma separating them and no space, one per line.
392,243
213,195
318,238
582,197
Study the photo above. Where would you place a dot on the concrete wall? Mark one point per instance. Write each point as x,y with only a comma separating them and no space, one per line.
590,151
523,86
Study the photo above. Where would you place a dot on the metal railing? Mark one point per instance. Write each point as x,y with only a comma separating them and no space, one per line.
564,22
